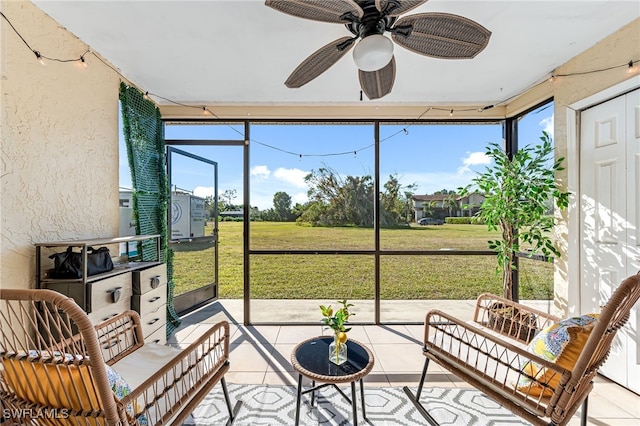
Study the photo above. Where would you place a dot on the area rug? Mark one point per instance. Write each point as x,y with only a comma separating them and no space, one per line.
276,405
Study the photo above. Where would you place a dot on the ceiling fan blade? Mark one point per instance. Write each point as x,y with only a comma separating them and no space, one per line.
441,35
319,61
404,6
318,10
376,84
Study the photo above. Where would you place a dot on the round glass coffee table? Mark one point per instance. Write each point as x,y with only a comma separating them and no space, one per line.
311,360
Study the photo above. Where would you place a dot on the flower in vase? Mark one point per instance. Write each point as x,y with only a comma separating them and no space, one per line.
337,320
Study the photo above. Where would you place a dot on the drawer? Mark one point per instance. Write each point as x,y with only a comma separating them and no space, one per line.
159,336
108,312
151,322
145,280
110,291
148,303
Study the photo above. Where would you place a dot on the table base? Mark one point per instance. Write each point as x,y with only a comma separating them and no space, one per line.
351,400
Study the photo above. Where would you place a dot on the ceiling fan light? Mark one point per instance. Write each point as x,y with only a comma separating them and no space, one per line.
373,52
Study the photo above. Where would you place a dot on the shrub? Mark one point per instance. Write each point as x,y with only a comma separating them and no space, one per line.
473,220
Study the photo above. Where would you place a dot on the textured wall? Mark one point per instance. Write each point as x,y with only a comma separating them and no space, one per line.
618,48
59,136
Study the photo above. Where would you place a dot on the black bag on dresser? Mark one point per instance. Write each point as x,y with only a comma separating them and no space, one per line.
68,264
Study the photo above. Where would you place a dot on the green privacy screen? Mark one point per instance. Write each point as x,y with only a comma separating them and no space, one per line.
144,138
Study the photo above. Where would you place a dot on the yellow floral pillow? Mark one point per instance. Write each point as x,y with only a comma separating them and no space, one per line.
561,344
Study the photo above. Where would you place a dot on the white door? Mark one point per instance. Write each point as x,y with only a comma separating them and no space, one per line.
632,329
609,182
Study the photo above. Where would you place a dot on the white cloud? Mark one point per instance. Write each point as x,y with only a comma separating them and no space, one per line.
473,159
300,197
203,191
261,172
266,183
547,123
292,176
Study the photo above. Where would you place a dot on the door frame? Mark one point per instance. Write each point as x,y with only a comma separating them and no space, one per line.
208,292
573,112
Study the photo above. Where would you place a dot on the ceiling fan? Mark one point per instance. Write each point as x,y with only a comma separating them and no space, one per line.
439,35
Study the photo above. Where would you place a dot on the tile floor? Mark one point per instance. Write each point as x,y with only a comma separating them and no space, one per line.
261,354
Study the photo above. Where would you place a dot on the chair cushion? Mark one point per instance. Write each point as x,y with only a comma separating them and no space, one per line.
560,343
143,363
53,379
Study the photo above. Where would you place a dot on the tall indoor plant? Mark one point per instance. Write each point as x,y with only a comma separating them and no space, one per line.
519,193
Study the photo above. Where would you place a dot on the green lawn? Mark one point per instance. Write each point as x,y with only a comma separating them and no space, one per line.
352,276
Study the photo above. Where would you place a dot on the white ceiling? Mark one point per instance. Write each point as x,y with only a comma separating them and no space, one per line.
240,52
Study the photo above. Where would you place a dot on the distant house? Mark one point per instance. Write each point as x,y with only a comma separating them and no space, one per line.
232,213
435,205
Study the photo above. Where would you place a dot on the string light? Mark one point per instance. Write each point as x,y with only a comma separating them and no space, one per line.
484,108
39,57
630,69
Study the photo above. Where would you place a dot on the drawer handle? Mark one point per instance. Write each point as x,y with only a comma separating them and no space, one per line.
109,317
155,281
154,299
153,321
115,294
156,341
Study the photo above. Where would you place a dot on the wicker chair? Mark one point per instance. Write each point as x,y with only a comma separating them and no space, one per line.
490,352
57,368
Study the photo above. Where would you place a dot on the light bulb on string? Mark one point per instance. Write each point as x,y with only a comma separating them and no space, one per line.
205,111
631,68
451,113
552,78
39,57
146,95
83,62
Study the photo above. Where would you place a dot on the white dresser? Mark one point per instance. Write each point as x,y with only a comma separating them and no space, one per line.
132,284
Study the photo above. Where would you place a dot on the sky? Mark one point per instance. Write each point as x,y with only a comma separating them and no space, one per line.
434,157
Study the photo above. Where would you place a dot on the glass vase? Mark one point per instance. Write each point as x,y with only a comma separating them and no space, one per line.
337,351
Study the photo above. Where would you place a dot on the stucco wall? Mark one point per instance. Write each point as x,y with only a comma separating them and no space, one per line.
618,48
59,142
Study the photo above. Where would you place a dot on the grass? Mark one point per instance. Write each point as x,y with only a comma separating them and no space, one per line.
352,276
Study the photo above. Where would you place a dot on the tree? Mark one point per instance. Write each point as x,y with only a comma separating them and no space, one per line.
451,203
282,207
349,201
227,198
395,202
209,206
334,201
428,208
517,191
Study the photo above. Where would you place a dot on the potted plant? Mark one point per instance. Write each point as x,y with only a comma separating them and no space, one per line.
337,322
519,194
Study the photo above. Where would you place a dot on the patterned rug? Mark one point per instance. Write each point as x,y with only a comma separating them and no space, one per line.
276,405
